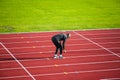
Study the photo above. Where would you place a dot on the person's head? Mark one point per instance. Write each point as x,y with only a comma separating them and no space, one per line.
68,35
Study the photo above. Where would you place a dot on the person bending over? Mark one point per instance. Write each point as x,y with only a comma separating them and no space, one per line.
59,41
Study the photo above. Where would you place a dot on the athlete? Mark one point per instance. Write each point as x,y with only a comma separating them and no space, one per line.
59,42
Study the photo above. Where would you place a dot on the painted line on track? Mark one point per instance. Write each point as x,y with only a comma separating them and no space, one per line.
18,62
101,70
111,79
50,40
66,45
53,51
63,65
51,35
96,43
62,73
70,57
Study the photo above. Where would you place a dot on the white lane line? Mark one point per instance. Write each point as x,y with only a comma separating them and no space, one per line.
50,41
67,45
78,72
102,37
53,45
23,53
18,62
70,57
96,43
62,73
25,37
51,35
102,33
33,41
4,78
61,65
26,42
47,46
111,79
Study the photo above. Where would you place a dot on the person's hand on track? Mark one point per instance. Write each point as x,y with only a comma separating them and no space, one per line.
64,51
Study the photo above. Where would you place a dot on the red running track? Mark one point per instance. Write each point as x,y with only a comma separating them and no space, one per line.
91,55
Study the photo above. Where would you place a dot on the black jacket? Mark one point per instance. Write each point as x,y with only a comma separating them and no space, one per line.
59,38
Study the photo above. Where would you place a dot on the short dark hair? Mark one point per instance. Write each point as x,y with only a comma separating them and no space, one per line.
68,35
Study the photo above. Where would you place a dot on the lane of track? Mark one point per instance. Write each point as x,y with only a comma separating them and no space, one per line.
56,64
86,75
85,32
28,44
117,51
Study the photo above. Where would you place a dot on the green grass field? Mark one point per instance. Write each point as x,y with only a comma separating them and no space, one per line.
49,15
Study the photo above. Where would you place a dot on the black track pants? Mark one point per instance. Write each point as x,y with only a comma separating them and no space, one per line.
57,45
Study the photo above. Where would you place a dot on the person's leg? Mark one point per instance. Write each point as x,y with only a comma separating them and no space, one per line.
55,54
56,50
61,51
57,47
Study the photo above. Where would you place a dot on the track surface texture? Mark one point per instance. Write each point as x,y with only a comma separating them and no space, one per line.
90,55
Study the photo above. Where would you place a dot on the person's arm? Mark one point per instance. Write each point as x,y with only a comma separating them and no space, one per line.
63,45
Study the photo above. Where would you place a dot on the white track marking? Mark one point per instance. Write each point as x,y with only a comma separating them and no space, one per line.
18,62
50,41
102,33
48,46
24,37
26,42
78,72
61,65
23,76
66,45
51,35
106,38
62,73
34,41
53,51
102,29
70,57
111,79
96,43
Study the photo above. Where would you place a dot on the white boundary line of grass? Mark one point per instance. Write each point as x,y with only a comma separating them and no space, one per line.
63,65
59,31
18,62
96,43
63,73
